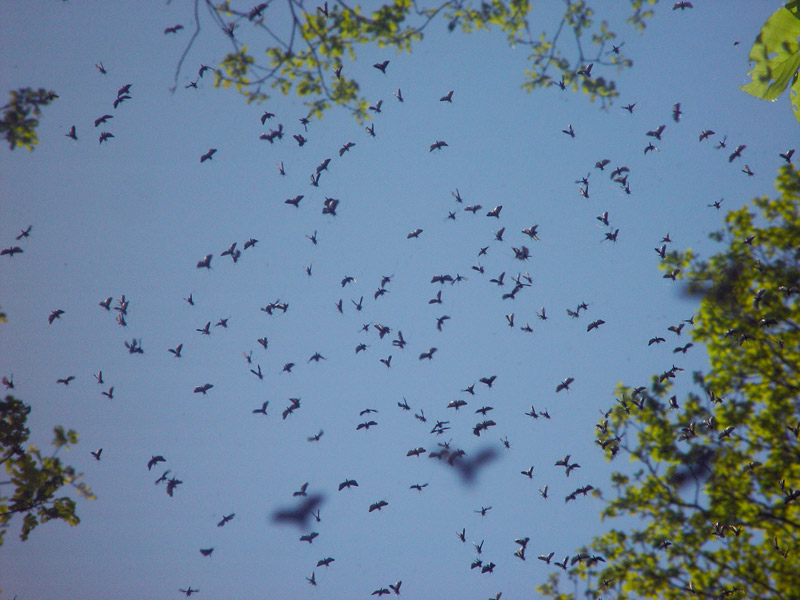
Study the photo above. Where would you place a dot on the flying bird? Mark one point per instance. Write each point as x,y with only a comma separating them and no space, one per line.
656,133
705,134
208,155
381,66
564,385
448,97
72,134
173,29
676,112
437,145
736,153
11,251
378,505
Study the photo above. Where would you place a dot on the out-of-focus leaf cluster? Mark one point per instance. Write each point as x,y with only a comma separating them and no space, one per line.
20,117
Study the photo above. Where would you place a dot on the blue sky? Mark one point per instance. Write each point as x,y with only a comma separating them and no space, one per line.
134,216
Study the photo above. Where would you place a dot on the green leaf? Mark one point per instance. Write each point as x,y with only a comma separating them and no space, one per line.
794,96
776,53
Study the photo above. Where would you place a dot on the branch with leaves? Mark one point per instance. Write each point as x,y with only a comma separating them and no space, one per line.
716,478
35,479
304,51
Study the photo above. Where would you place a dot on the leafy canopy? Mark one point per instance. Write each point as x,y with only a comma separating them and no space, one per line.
34,479
715,475
302,51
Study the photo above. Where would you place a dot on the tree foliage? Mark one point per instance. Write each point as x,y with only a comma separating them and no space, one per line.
776,54
20,116
716,477
35,479
304,51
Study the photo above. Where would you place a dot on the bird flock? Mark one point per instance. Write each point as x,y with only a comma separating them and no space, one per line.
463,434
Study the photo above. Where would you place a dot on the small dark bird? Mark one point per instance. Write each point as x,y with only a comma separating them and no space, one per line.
66,380
382,66
437,145
96,453
10,251
366,425
173,29
302,491
787,156
656,340
309,537
705,134
56,314
202,389
495,212
676,112
682,5
629,107
377,106
612,235
448,97
736,153
109,394
348,483
189,591
564,385
101,68
206,551
399,95
528,472
414,234
226,519
346,148
586,71
656,133
489,381
154,460
102,119
378,505
595,324
208,155
429,354
72,134
105,136
173,483
569,131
